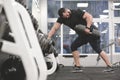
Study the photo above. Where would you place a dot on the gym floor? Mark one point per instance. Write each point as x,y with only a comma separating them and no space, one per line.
89,73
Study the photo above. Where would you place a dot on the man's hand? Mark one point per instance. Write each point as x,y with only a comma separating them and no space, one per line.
81,28
55,27
87,31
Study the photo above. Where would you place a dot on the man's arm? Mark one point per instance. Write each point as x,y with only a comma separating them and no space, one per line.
88,17
55,27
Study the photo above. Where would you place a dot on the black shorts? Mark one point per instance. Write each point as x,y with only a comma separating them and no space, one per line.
84,39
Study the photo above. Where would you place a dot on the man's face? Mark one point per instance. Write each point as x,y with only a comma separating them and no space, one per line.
66,14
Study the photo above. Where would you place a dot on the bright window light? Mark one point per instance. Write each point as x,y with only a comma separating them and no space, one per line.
105,31
105,11
72,32
116,4
103,16
82,4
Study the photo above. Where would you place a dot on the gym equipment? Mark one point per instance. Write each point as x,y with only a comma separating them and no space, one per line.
47,46
4,28
26,44
44,43
2,24
12,69
49,52
80,28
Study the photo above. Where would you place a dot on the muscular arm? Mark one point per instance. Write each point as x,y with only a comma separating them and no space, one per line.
88,17
55,27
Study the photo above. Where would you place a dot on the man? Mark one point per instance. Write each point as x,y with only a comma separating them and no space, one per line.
71,18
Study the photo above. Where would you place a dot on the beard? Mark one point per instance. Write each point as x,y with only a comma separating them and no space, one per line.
68,16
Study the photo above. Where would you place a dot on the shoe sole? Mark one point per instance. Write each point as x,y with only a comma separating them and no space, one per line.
111,71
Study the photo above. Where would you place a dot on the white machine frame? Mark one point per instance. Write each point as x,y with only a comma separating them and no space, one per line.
26,43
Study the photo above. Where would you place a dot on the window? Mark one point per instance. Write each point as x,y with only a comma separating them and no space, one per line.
53,6
116,7
117,37
96,8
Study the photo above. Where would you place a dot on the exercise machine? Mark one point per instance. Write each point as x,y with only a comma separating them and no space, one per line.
25,43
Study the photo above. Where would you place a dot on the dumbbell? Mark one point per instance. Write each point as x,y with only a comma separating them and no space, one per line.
47,45
81,28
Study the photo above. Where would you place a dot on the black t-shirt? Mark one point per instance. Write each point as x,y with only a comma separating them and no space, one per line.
75,19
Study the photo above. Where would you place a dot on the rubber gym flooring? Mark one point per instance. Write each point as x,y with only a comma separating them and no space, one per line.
89,73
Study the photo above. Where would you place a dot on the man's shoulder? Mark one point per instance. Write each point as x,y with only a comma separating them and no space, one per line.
60,20
78,9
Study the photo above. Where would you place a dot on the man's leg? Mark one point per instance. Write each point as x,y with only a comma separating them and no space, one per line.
76,57
77,67
96,46
102,54
77,43
105,58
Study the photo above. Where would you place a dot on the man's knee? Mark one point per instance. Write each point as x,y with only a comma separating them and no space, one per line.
98,51
73,47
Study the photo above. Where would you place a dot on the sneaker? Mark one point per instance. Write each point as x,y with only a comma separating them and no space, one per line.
77,69
109,69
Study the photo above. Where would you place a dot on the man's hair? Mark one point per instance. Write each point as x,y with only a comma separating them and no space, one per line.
60,11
